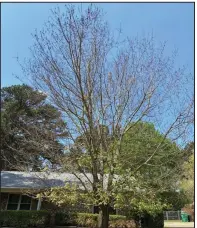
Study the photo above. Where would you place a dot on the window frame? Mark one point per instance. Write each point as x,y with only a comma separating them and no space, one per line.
19,201
9,199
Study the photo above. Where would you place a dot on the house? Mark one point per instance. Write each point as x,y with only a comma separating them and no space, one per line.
15,185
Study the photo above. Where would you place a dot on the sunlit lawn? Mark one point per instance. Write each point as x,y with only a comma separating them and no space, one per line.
172,221
177,224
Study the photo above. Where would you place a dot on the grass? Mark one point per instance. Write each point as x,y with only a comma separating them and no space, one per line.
178,224
172,220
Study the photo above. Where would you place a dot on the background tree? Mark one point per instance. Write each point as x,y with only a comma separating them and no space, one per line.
161,174
31,129
137,146
189,150
176,200
187,182
97,81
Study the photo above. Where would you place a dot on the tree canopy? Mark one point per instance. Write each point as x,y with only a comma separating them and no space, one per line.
187,181
141,189
137,147
97,80
31,129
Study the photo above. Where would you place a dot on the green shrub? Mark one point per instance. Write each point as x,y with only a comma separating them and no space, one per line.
65,218
117,217
86,219
91,220
61,218
24,219
122,224
82,219
150,221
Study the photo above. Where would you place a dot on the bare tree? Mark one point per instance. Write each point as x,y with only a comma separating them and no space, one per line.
96,81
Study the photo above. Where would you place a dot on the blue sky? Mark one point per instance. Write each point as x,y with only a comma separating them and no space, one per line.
171,22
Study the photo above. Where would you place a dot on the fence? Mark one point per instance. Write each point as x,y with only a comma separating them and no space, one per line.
172,215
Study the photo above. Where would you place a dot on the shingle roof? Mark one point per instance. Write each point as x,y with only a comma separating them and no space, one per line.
13,179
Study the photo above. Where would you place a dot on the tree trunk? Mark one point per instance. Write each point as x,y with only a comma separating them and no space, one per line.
103,218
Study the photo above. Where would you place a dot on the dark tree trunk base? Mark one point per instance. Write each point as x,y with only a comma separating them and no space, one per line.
103,218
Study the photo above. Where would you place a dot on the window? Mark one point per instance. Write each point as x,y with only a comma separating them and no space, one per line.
13,202
18,202
25,203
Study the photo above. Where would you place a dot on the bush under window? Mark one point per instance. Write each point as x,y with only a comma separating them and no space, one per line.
23,219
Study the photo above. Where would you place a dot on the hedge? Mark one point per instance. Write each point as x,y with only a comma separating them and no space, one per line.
65,218
82,219
117,217
149,221
122,224
86,219
24,219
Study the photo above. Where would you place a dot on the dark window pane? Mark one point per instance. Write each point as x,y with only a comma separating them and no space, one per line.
25,207
26,199
14,198
12,206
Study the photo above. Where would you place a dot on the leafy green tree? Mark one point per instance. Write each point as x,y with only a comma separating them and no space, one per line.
31,129
156,178
174,199
137,147
138,190
189,151
187,182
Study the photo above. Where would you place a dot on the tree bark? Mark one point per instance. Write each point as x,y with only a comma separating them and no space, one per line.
103,218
